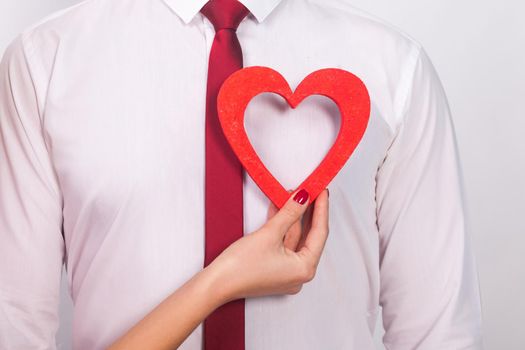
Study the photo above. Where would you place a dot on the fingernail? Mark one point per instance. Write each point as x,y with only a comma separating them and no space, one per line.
328,192
301,197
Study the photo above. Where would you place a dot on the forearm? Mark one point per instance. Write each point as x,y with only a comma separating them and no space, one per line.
173,320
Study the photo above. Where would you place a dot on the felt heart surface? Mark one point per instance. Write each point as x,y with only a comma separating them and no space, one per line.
344,88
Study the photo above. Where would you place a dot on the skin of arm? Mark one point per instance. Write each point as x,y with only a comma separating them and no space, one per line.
275,259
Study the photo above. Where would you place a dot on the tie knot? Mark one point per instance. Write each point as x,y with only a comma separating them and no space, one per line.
224,14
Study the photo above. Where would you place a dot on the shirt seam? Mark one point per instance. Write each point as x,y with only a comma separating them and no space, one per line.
35,71
407,80
29,53
401,112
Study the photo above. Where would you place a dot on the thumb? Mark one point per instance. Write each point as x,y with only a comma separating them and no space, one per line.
272,209
290,212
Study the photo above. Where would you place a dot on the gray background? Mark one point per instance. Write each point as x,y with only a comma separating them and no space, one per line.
478,48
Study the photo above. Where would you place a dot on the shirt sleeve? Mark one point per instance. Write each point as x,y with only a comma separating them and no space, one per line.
429,283
31,240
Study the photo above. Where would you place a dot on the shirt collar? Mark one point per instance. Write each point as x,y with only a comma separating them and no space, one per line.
187,9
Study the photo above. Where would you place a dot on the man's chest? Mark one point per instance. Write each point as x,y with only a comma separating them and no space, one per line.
131,118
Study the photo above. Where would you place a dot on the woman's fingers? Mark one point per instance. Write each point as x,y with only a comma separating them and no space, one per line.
291,238
257,264
316,237
272,210
306,225
291,212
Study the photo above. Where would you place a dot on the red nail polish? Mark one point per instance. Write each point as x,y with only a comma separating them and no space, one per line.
301,197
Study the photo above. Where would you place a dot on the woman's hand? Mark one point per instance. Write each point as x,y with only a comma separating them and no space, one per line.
279,257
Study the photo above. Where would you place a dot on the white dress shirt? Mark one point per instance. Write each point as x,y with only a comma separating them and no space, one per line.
102,167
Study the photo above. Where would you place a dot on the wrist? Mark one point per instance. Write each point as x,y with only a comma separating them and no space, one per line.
216,284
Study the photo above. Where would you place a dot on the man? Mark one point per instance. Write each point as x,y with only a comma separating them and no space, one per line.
102,167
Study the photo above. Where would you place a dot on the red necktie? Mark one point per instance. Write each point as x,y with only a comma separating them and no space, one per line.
224,328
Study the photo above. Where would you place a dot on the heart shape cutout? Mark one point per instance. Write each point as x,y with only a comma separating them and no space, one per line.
344,88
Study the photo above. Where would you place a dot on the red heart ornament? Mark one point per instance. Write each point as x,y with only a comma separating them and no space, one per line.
344,88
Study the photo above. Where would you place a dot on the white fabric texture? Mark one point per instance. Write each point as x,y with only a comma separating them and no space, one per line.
102,109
